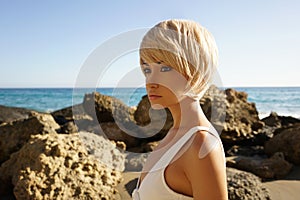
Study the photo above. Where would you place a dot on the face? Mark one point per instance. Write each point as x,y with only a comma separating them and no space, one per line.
164,85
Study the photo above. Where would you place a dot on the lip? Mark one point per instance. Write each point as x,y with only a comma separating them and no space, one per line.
153,96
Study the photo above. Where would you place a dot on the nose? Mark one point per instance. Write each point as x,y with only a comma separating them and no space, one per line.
151,80
152,85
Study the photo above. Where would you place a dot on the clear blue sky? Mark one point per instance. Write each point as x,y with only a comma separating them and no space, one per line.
44,43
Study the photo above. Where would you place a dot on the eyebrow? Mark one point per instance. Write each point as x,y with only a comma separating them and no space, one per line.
144,63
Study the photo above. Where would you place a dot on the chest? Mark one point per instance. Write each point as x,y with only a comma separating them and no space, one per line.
173,174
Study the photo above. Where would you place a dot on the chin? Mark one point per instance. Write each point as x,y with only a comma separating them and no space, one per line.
157,106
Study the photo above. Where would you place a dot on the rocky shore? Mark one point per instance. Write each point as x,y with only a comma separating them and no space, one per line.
94,150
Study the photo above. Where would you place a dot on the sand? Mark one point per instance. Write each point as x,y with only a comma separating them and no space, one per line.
284,189
287,189
126,187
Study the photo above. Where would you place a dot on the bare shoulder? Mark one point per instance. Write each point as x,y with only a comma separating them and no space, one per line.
207,175
205,141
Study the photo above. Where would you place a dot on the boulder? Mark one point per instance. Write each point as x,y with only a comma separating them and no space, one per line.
135,161
136,156
108,153
107,109
239,118
57,166
249,151
69,114
113,132
111,117
275,167
245,186
154,122
286,141
214,104
144,147
71,118
9,114
15,134
274,120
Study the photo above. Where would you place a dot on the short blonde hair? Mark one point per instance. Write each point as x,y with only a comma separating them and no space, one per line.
186,46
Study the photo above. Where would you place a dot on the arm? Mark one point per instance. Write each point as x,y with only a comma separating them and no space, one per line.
207,175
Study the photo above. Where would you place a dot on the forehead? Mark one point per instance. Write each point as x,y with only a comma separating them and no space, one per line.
147,63
151,56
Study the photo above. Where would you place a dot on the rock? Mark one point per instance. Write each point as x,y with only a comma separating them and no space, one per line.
68,128
287,141
237,118
288,121
57,166
245,186
272,120
105,151
238,150
144,147
113,132
9,114
155,122
71,118
15,134
267,132
76,118
111,117
107,109
275,167
69,114
241,117
136,156
213,104
119,144
135,161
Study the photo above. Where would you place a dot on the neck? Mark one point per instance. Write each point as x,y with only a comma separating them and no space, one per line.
188,113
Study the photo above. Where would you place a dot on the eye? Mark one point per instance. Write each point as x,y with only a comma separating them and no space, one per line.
165,68
147,70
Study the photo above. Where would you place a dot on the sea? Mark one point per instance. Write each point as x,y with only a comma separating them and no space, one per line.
284,101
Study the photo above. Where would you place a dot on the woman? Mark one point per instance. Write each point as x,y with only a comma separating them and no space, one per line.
178,58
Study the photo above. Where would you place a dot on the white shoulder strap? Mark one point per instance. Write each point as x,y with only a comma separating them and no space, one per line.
170,153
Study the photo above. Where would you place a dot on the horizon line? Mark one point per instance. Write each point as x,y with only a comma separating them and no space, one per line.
68,87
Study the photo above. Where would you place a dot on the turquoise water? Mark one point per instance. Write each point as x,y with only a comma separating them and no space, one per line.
283,100
51,99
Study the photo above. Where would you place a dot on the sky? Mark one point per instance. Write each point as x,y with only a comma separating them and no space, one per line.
47,43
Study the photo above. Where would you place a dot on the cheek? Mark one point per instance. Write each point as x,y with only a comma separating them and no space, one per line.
172,80
171,96
176,83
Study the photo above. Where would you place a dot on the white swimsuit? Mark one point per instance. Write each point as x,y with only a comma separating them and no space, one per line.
154,185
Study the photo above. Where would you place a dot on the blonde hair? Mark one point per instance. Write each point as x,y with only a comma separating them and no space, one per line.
187,47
